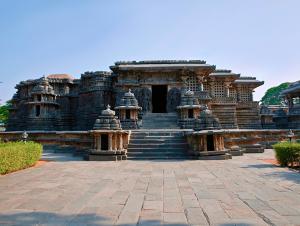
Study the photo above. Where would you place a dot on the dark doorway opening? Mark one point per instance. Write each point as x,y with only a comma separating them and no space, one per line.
191,113
127,114
37,110
159,98
210,142
104,141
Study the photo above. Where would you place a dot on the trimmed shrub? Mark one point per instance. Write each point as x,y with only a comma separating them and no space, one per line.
287,153
18,155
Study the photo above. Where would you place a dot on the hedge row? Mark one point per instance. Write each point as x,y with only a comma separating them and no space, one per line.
287,153
18,155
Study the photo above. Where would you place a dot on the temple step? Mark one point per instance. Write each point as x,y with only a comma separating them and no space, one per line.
160,121
151,144
159,144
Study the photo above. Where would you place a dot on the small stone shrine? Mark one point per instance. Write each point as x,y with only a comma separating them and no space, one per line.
208,140
266,117
128,111
110,141
207,121
42,106
188,110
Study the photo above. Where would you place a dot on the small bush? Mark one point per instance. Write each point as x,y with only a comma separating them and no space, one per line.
287,153
18,155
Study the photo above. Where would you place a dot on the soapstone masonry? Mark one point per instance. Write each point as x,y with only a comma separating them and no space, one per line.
168,109
60,102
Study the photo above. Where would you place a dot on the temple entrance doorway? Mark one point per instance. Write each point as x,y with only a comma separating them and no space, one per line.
159,98
104,142
127,114
210,142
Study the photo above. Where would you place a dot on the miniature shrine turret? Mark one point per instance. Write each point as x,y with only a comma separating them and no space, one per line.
207,121
208,139
42,107
188,110
128,110
110,141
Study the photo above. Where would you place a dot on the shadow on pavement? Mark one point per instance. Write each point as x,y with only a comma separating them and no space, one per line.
91,219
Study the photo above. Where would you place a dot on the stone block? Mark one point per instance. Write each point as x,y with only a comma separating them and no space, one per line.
103,158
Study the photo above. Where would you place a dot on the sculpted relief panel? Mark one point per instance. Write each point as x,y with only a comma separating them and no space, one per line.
144,98
173,100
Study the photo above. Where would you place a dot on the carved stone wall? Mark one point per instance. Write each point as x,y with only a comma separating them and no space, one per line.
78,102
173,99
144,98
227,115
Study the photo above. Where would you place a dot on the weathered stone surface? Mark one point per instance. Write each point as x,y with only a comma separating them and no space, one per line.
74,104
152,193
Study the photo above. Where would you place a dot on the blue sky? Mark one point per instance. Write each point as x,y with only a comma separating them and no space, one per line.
253,37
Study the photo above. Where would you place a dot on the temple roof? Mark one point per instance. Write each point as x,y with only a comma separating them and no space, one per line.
248,81
60,76
43,87
89,74
161,65
293,88
160,62
189,101
107,120
128,101
224,73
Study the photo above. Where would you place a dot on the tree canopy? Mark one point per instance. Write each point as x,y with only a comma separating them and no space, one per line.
271,96
4,112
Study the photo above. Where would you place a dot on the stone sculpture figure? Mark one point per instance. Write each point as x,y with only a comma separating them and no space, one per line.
173,99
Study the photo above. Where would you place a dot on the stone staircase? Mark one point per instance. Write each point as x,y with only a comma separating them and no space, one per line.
160,121
157,145
248,119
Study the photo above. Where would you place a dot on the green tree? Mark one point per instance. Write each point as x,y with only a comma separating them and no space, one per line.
271,96
4,112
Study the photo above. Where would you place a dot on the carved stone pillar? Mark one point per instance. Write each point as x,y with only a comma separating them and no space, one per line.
227,85
98,142
205,143
120,142
200,80
215,142
110,142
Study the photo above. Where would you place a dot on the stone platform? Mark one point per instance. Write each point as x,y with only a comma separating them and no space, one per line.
244,191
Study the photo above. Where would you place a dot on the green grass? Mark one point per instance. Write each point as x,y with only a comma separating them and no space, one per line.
18,155
287,153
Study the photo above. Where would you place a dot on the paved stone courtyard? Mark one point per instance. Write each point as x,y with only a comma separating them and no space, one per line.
243,191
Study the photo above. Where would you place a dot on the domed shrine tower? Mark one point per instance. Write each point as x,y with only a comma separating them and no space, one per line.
128,110
188,110
43,106
110,141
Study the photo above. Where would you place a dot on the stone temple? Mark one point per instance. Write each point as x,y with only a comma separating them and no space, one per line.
60,102
171,108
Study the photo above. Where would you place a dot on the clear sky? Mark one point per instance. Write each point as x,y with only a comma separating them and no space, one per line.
258,38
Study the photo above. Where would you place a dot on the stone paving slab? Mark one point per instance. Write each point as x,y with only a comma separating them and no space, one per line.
243,191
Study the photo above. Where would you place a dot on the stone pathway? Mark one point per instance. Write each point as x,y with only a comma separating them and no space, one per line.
241,191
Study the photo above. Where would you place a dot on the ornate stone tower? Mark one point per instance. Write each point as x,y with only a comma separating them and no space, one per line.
188,110
128,111
207,121
42,107
110,141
